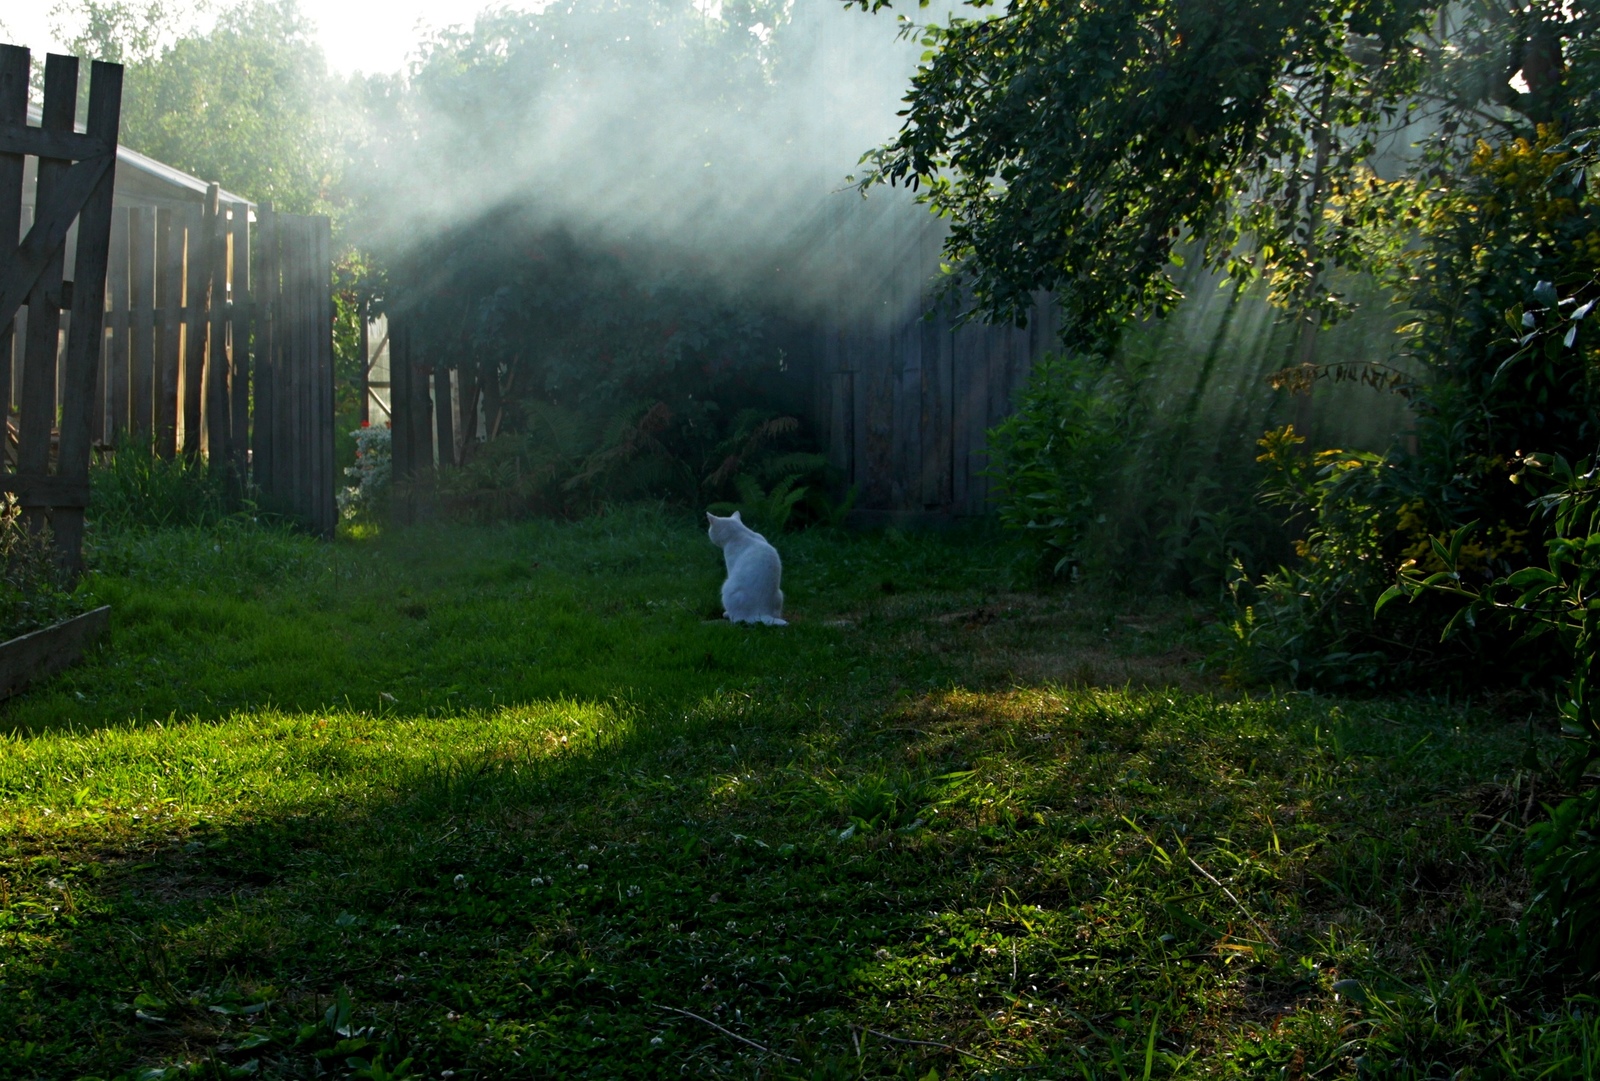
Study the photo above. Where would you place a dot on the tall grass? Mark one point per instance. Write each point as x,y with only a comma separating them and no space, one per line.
134,488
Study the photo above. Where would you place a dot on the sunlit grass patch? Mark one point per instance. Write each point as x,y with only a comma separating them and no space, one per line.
271,761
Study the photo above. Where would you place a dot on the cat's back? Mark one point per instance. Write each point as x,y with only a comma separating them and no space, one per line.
754,548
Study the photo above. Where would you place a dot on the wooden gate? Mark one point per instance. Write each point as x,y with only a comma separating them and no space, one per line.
419,401
76,175
292,441
183,303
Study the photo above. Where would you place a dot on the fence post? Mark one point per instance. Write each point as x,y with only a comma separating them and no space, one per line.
264,276
13,111
169,331
197,307
241,315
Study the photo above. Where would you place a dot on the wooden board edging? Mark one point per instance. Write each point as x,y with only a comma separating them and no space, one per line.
40,654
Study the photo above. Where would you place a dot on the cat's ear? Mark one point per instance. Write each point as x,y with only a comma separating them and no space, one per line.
738,519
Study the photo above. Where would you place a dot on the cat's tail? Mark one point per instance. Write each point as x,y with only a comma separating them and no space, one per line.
771,621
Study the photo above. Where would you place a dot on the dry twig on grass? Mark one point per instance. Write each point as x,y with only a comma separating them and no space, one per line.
727,1032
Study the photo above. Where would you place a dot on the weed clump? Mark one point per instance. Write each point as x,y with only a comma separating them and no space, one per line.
33,591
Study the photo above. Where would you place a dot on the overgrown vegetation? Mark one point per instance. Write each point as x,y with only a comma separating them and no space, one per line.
133,488
1128,474
498,799
590,376
1268,169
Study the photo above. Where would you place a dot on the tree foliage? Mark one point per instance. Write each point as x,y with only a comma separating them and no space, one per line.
1075,146
248,102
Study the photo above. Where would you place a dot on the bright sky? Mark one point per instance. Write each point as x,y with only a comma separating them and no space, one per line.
356,35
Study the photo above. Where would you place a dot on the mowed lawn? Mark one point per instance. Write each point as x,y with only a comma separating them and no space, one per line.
485,802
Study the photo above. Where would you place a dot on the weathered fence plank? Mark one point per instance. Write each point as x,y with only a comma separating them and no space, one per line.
38,397
443,416
216,409
88,311
172,244
324,513
935,419
141,323
241,316
266,280
115,360
969,410
196,327
13,112
292,463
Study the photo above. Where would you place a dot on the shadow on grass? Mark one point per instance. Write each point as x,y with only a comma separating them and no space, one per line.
873,885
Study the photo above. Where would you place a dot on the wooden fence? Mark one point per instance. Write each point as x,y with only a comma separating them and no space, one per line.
902,397
904,411
174,368
216,339
219,342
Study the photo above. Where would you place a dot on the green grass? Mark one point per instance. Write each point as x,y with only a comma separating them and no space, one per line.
505,802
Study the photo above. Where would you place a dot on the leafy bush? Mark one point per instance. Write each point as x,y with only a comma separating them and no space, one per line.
1313,622
1498,285
563,461
1563,860
1117,473
371,473
1053,458
1556,600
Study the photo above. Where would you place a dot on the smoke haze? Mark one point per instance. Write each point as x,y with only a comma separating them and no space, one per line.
723,135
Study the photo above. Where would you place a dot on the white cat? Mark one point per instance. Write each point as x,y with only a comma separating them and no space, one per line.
751,593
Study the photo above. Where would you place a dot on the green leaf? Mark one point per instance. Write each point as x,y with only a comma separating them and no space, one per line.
1457,540
1529,576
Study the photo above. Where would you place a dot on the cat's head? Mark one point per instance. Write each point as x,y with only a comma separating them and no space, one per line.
721,530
